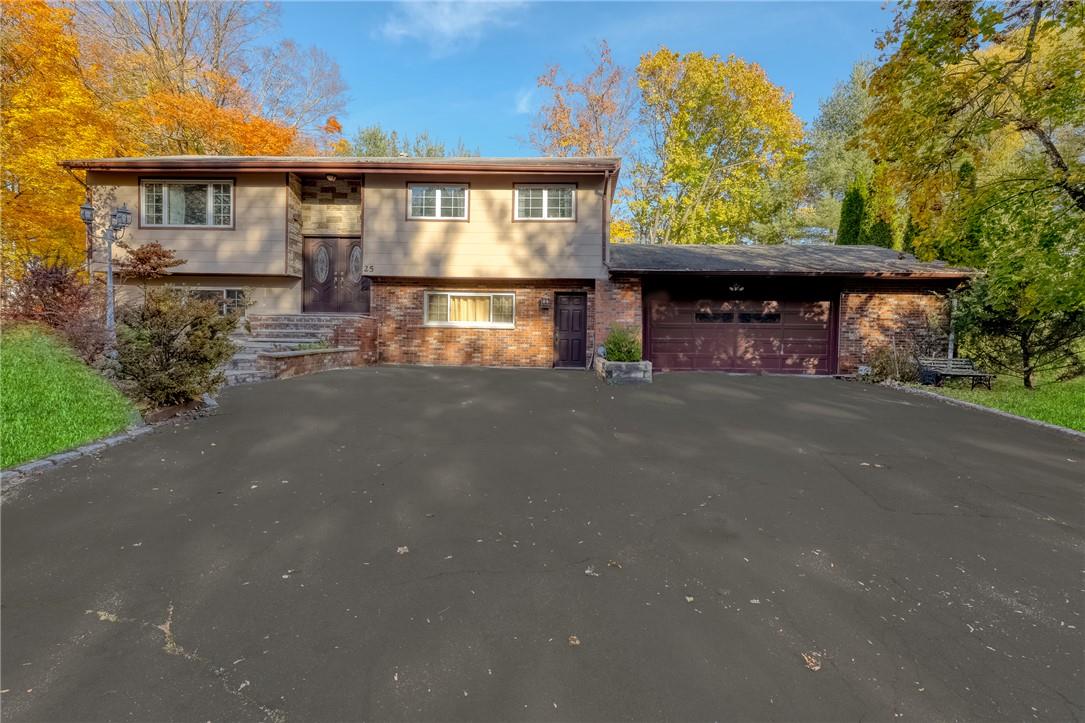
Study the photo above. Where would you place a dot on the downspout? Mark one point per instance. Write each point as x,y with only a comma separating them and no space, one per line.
606,217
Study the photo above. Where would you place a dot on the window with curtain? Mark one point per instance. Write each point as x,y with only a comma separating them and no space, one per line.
452,308
536,202
437,201
187,203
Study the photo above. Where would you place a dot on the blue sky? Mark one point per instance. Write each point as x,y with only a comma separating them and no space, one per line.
468,70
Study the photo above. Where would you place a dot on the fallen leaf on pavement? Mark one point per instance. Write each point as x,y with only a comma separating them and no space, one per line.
813,660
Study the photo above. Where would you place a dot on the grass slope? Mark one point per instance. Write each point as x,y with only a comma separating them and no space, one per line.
49,400
1061,403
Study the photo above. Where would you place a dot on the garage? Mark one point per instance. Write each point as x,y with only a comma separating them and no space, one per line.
786,309
757,335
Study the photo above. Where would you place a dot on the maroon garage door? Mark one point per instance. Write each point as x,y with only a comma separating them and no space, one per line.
741,336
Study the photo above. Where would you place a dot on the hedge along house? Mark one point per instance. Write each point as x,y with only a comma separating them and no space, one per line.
504,262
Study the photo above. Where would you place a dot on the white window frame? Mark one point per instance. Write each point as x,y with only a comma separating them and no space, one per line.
546,187
470,324
439,217
210,183
225,301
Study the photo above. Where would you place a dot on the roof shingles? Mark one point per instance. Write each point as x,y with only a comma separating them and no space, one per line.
784,259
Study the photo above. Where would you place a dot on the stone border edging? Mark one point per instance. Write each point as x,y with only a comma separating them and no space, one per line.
982,408
16,475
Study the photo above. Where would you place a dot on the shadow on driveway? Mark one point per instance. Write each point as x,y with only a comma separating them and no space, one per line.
697,535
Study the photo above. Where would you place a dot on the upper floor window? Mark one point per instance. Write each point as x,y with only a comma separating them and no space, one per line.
430,200
545,203
187,203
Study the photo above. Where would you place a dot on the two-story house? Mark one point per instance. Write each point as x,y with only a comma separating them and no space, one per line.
505,262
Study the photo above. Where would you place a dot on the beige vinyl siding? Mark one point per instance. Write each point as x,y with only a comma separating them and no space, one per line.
255,245
489,244
268,294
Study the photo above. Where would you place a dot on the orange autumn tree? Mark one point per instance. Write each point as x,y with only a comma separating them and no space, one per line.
102,78
48,114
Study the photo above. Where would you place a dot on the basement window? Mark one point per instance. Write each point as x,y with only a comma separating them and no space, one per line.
470,309
229,300
187,204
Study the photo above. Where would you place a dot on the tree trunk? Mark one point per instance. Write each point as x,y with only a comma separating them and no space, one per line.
1054,157
1026,361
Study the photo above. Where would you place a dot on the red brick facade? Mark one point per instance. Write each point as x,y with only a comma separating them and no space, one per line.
617,301
869,317
883,316
404,339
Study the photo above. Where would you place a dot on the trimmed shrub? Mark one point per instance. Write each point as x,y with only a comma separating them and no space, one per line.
171,346
622,344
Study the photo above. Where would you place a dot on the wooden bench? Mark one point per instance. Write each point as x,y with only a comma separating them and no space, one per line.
935,371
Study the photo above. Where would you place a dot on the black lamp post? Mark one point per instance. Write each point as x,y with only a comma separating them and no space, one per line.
119,220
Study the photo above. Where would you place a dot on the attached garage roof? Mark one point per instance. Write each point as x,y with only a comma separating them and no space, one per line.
782,260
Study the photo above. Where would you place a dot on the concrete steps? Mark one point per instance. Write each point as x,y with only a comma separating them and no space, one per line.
276,332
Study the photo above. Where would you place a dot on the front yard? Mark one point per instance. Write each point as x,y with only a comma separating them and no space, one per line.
1061,403
49,400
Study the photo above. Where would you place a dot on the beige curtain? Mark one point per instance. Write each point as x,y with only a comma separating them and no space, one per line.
469,308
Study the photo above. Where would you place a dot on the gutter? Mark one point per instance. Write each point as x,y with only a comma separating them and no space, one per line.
848,274
333,166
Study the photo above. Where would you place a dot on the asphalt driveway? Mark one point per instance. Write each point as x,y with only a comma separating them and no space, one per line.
697,536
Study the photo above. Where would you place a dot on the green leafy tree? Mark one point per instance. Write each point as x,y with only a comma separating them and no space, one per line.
375,141
1026,314
970,78
880,233
719,135
836,157
852,216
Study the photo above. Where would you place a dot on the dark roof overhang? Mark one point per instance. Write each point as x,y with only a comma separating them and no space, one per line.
348,165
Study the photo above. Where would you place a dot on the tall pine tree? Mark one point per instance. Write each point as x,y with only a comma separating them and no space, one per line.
852,212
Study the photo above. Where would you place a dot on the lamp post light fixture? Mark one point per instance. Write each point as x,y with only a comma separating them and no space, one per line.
119,220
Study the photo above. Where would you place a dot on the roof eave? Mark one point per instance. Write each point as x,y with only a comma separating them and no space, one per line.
333,166
946,275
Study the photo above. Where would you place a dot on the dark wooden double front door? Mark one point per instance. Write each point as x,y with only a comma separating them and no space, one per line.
333,280
571,324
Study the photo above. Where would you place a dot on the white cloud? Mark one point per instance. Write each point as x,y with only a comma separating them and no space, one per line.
524,98
447,26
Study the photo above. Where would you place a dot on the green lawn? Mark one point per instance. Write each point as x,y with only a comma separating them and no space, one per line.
1061,403
49,400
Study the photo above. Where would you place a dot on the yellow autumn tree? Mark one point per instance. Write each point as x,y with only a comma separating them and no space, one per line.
48,114
724,150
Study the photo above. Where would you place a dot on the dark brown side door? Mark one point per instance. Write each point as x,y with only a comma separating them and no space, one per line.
571,322
333,280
